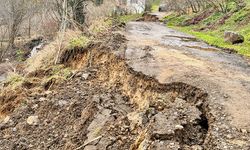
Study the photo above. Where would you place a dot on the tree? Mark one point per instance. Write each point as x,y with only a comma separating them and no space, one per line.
14,12
75,10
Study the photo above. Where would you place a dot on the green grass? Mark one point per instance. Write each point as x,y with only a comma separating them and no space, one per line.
216,39
60,70
176,20
155,5
81,41
20,55
128,18
238,22
15,80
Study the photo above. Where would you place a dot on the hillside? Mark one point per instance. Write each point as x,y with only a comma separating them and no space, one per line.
210,26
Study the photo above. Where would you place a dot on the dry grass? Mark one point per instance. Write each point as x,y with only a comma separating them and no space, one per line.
47,55
96,13
100,25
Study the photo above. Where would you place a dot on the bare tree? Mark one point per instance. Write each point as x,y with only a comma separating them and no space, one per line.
185,6
14,12
75,10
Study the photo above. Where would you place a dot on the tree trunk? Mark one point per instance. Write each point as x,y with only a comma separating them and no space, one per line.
12,36
29,28
78,13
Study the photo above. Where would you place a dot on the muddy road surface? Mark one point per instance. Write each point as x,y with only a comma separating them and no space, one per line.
172,56
159,89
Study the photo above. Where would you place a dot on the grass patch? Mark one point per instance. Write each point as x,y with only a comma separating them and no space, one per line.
101,25
14,80
216,39
238,22
20,55
175,19
128,18
80,41
155,4
60,70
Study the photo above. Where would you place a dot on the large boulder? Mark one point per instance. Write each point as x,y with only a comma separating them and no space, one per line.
233,37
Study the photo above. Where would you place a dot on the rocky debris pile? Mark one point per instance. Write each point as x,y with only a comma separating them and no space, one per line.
84,114
149,17
233,37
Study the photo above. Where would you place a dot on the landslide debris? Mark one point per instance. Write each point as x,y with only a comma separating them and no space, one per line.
108,105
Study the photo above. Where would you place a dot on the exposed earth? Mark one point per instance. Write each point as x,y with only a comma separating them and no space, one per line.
159,90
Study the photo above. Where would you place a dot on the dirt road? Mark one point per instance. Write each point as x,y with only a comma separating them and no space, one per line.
164,90
172,56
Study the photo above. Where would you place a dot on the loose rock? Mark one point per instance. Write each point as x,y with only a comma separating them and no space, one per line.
33,120
233,37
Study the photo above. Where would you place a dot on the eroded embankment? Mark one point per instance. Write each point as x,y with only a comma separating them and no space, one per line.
170,116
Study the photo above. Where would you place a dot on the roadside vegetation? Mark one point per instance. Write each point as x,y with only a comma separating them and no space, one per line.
210,24
65,29
155,5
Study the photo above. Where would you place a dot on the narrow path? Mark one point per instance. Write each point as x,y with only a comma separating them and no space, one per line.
172,56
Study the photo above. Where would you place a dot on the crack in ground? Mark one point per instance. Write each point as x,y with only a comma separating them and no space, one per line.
128,109
176,110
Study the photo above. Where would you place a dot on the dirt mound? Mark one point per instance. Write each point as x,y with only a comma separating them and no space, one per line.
109,107
148,17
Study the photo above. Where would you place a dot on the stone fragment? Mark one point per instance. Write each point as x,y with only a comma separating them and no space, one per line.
33,120
233,37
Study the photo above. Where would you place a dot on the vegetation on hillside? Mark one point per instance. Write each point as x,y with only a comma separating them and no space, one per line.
209,25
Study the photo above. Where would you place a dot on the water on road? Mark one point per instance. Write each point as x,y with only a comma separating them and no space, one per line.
173,56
